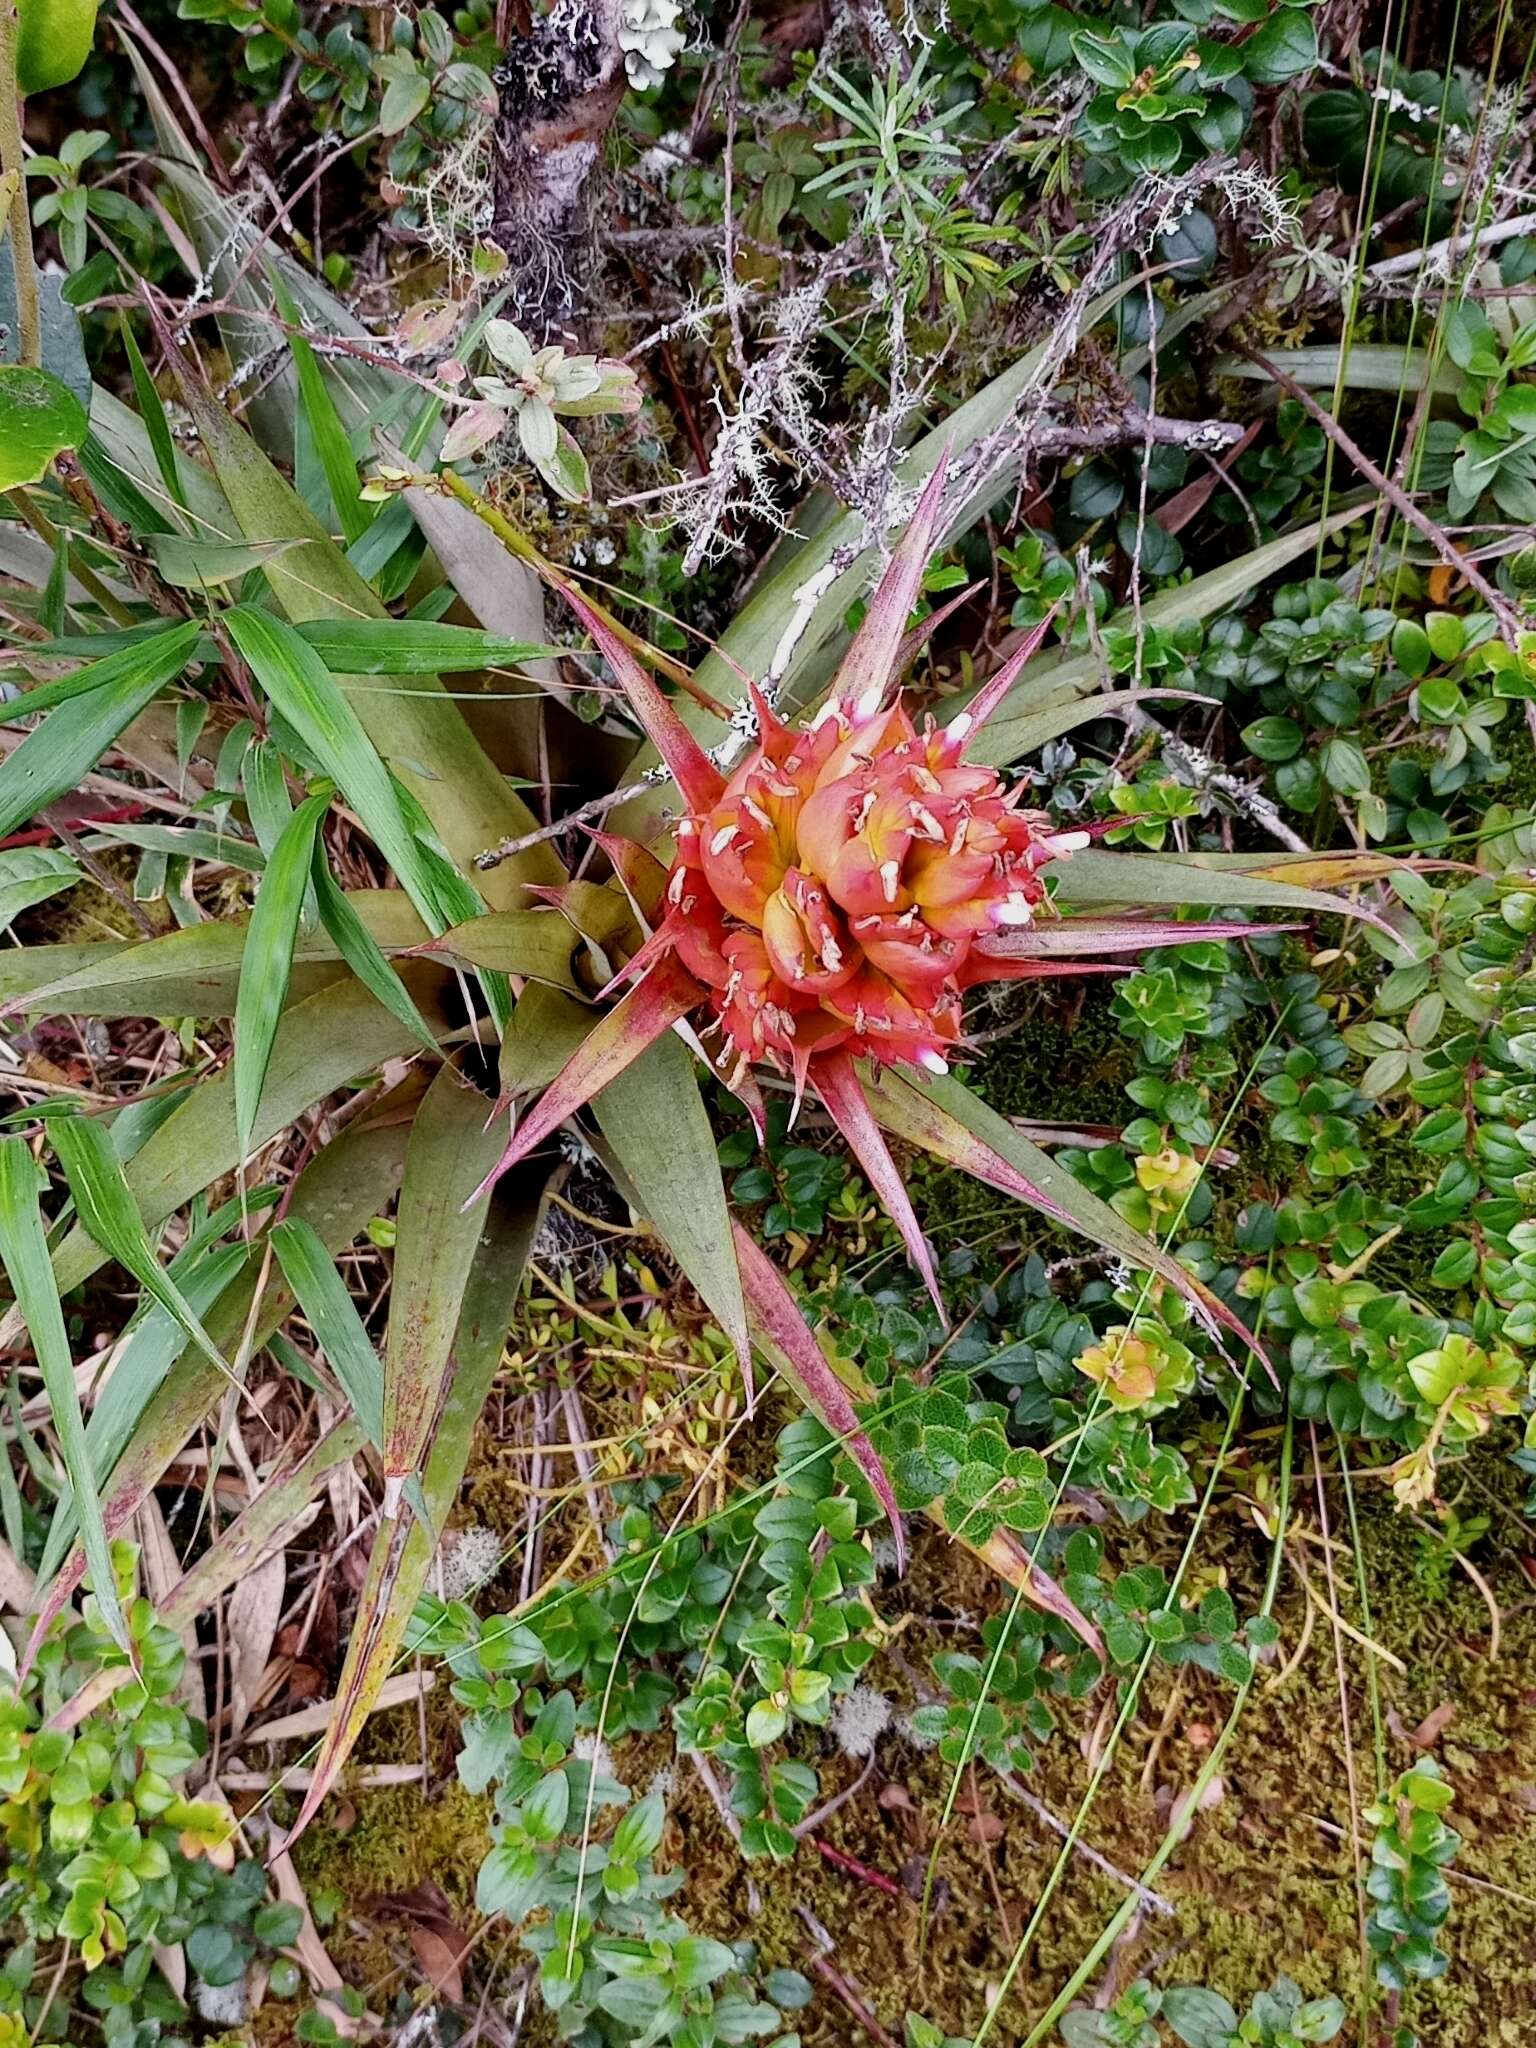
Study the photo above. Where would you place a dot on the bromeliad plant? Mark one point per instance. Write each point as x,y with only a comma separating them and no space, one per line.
817,905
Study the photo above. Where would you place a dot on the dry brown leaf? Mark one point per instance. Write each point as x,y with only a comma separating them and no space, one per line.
1433,1725
17,1585
394,1692
439,1962
250,1629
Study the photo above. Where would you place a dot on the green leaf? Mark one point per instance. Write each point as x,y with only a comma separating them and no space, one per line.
321,1044
110,1217
1200,2018
1273,739
1346,768
361,950
152,412
326,429
24,1254
403,1549
346,1183
191,973
311,1272
39,418
30,875
418,730
454,1143
206,564
1003,739
1361,366
267,960
654,1118
415,647
306,693
63,349
56,755
1282,48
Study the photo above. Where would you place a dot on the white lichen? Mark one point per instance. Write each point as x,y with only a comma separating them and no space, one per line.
859,1719
221,2005
470,1557
650,39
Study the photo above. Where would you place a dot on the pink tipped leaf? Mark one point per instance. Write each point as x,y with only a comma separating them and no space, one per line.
996,688
691,768
869,667
614,1043
917,639
927,1113
836,1081
643,876
781,1329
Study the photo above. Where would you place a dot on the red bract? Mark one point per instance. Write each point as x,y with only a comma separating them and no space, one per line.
830,902
839,894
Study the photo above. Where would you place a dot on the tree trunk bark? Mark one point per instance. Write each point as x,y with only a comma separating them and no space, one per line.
560,87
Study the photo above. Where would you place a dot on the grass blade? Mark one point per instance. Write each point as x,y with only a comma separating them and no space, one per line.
24,1254
267,961
329,435
361,950
152,412
415,647
311,1272
110,1216
306,693
53,758
451,1150
321,1043
403,1548
350,1180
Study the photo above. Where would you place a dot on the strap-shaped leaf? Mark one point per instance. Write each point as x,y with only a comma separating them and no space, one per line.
946,1119
268,957
191,973
56,755
403,1548
24,1254
654,1118
346,1183
331,1313
309,697
454,1143
110,1217
332,1038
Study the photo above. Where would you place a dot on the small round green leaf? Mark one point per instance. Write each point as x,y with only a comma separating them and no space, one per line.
39,418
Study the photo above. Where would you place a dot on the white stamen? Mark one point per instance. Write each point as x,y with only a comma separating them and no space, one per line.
957,729
931,1061
1014,910
890,878
722,838
1063,843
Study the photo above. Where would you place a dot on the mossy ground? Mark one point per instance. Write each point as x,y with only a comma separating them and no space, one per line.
1262,1884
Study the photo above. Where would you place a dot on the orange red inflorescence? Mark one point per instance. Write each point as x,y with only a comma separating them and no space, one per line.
833,897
